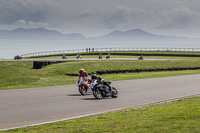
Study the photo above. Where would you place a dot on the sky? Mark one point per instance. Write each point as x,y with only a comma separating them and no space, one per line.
99,17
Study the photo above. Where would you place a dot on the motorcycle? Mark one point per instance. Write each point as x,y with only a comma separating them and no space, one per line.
78,57
141,58
108,57
64,57
100,56
17,57
103,89
83,86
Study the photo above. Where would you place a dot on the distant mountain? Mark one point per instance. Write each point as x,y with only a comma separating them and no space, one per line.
134,35
38,34
138,35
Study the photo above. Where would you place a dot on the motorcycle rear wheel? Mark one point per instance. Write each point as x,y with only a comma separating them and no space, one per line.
114,93
97,94
82,90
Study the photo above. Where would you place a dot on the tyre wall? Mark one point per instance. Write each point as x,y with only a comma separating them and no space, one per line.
40,64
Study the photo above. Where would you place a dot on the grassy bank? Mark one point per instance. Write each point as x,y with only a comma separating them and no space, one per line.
93,66
180,116
16,75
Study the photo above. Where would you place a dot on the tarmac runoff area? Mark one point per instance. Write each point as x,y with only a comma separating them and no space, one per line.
35,106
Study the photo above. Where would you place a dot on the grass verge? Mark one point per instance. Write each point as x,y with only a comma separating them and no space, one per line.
180,116
16,75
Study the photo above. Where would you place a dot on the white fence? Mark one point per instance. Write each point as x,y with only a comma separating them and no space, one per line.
108,49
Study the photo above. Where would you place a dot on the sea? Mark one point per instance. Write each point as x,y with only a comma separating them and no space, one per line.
11,48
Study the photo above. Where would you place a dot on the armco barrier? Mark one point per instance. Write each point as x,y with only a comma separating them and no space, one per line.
40,64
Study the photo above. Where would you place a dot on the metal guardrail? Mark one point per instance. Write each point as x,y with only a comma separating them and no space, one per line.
108,49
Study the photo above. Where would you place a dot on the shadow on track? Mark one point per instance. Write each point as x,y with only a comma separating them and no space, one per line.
78,95
88,99
96,99
74,95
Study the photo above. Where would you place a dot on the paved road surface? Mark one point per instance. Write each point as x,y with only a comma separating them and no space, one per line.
74,59
24,107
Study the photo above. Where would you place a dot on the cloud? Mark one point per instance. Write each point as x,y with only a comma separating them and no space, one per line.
37,24
20,22
180,17
124,17
32,24
12,11
113,18
95,16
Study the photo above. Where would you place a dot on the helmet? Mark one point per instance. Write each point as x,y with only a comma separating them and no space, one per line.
94,76
99,79
81,70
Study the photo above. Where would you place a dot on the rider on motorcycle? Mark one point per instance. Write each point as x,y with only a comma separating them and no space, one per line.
100,56
93,77
83,74
101,88
78,56
102,81
108,56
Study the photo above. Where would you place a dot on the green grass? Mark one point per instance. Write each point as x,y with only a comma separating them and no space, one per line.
182,116
17,75
93,66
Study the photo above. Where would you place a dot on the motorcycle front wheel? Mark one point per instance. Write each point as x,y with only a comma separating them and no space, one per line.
114,93
82,90
97,94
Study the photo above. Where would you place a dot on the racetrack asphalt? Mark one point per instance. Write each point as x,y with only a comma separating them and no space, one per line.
74,59
34,106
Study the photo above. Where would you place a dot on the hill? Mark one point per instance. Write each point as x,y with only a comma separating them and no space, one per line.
37,34
133,35
138,35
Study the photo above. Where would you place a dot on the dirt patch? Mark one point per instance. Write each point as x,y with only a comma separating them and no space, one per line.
95,64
